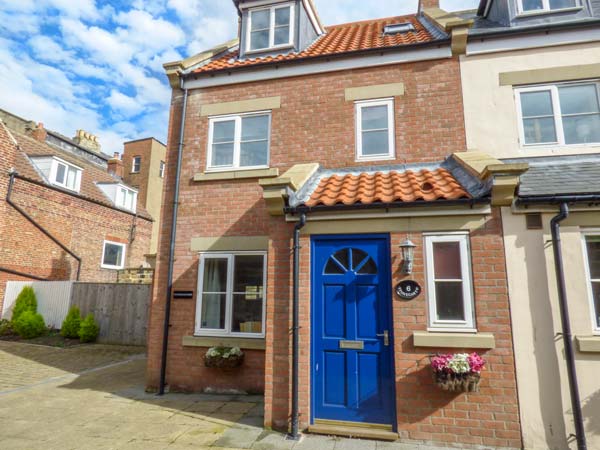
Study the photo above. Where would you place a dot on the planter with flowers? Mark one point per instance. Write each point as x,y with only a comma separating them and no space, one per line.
460,372
224,357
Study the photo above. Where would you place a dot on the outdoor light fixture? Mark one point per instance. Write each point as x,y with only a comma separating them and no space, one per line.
408,251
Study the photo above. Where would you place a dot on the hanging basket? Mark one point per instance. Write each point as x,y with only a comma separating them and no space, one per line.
217,360
457,382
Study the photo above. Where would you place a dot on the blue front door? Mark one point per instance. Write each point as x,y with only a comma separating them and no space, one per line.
352,376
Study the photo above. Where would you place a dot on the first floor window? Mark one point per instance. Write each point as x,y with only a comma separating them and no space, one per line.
562,114
113,255
239,141
546,5
375,129
449,287
231,296
592,244
161,169
65,175
136,164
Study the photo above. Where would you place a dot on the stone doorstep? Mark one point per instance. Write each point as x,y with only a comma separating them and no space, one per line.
353,432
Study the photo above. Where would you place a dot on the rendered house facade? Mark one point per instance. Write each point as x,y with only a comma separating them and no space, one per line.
354,136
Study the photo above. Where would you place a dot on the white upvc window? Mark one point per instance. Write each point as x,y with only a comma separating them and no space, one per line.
591,243
449,285
113,255
559,114
65,175
161,169
126,198
231,294
136,164
530,6
239,142
270,28
375,137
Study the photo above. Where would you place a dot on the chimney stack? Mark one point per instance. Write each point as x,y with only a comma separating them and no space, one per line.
115,166
425,4
39,133
87,141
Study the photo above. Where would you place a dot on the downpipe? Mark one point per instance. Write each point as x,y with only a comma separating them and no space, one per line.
165,346
566,326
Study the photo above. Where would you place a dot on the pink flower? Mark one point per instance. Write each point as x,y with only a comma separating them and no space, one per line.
476,362
439,363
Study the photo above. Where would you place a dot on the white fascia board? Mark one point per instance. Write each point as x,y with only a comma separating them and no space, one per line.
294,69
482,45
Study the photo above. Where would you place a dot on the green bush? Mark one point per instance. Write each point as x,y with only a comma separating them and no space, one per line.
89,330
26,301
30,325
71,324
6,328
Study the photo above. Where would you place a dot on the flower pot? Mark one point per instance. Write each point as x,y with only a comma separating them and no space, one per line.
457,382
219,362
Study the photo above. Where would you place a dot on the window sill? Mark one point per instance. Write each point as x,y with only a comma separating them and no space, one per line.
379,158
237,175
454,340
525,15
269,49
226,341
588,344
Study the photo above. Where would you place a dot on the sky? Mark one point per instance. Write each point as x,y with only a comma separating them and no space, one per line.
97,65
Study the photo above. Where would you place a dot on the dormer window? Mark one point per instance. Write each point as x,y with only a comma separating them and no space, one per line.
65,175
126,198
531,6
398,28
270,28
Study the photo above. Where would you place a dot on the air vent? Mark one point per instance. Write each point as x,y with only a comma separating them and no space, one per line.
534,221
397,28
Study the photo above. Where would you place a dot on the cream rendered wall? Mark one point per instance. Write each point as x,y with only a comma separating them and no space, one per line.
544,398
490,111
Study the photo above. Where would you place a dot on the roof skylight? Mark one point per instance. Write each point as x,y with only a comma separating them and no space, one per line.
397,28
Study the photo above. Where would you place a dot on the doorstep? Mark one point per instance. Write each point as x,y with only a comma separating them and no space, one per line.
349,429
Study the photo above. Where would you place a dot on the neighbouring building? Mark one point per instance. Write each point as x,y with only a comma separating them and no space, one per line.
144,169
531,87
66,214
312,159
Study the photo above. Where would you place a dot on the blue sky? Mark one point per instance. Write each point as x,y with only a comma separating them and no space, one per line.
97,64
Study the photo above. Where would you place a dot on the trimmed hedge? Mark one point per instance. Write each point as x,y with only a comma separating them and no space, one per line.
30,325
26,301
72,323
89,330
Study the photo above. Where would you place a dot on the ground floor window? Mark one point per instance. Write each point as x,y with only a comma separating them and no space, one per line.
231,294
592,244
449,286
113,255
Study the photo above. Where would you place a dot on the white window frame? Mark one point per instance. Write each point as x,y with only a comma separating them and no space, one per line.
237,143
161,169
359,106
133,164
109,266
584,235
54,170
229,256
546,8
121,187
467,325
272,45
557,111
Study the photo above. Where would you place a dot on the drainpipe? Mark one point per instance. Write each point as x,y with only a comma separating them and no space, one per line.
295,435
163,361
11,183
566,326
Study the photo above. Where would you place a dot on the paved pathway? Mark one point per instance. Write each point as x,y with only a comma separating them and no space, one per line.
92,397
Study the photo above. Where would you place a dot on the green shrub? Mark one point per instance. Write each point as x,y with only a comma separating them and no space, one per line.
26,301
30,325
89,330
6,328
71,324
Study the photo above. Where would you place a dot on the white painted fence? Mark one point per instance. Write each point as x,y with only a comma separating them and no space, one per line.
53,298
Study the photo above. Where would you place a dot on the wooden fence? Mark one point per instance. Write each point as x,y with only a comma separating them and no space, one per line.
121,310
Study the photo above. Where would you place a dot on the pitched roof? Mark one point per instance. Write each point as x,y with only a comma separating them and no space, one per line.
339,40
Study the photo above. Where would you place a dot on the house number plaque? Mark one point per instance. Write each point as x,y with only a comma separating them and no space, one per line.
408,289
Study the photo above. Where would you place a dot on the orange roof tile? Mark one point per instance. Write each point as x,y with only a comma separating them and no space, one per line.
344,38
409,186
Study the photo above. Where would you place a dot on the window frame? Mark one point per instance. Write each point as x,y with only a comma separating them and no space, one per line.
118,190
469,324
133,164
54,170
359,106
230,256
237,141
557,111
109,266
272,46
161,169
588,277
546,8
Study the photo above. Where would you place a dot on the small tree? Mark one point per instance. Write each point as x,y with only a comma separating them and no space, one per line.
26,301
30,325
71,324
89,330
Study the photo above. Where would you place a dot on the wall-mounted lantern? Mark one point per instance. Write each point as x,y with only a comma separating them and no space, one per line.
408,251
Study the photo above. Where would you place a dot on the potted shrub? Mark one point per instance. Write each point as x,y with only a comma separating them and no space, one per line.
224,357
460,372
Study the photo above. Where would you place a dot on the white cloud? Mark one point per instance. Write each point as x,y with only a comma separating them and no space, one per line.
123,103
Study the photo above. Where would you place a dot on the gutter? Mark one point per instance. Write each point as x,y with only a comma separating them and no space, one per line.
13,175
533,29
558,199
22,274
166,325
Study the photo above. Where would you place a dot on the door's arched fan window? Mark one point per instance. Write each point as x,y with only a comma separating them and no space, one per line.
350,259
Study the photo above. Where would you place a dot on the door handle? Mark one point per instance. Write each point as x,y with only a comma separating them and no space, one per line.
386,337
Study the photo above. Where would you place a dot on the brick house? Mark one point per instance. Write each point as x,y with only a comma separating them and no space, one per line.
66,213
310,155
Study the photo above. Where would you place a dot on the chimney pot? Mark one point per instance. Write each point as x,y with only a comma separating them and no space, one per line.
87,141
430,4
39,133
116,167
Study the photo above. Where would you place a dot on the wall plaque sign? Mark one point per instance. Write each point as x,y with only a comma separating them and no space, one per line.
408,289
